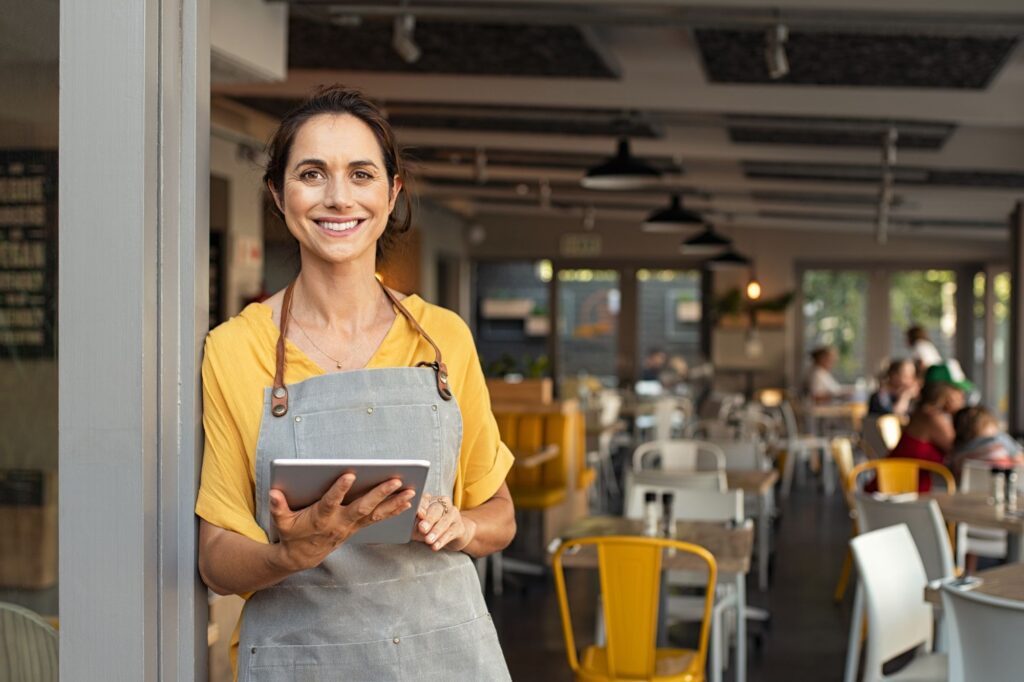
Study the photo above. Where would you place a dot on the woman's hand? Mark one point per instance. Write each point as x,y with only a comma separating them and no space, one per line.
309,535
440,524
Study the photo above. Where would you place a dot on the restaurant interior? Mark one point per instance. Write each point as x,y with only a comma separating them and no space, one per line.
730,268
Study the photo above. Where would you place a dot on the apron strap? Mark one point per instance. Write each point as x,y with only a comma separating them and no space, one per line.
279,394
440,369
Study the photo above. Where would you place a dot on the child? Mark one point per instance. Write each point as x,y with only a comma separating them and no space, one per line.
979,439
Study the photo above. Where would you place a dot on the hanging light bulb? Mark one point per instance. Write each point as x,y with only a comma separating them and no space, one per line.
753,288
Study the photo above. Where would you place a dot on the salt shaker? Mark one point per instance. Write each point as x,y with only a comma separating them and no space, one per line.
668,523
998,493
1011,490
652,515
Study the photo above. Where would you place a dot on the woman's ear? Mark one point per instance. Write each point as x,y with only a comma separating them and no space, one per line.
396,188
275,197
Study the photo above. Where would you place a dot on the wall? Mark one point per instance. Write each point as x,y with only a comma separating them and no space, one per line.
777,255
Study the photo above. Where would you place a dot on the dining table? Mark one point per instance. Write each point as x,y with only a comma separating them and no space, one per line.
759,483
1005,582
975,509
731,546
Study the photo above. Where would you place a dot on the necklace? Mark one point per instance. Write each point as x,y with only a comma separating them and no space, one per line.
336,361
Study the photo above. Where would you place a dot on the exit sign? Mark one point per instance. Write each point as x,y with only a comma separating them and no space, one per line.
580,244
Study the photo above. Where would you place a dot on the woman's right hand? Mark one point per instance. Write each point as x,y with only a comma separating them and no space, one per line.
309,535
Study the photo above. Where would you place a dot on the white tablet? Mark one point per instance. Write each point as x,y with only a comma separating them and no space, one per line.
304,481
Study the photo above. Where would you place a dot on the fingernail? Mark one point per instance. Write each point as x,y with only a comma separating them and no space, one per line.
431,537
424,526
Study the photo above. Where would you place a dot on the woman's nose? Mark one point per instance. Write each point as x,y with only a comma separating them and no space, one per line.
338,193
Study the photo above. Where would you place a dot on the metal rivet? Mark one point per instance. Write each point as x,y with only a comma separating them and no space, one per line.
253,650
298,419
434,408
396,640
369,410
444,377
278,410
279,392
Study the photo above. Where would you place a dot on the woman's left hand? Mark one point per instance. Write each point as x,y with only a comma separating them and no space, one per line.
440,524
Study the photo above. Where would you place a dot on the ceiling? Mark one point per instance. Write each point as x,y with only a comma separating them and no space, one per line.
511,101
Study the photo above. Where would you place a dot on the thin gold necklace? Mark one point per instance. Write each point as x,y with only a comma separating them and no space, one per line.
336,361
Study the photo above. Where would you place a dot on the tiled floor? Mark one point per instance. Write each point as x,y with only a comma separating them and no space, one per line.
806,639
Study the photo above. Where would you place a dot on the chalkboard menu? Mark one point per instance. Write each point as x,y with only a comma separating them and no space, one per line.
28,253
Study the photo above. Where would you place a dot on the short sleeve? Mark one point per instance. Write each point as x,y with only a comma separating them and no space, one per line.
226,491
484,461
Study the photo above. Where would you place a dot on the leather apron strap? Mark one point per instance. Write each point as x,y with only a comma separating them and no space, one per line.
279,394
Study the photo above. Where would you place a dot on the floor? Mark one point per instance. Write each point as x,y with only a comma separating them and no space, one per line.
805,640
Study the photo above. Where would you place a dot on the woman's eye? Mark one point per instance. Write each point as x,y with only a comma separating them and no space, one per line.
362,175
311,174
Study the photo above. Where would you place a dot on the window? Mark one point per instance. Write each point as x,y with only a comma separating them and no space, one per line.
925,298
669,314
834,314
588,320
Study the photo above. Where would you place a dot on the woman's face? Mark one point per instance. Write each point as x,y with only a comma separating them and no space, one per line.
336,197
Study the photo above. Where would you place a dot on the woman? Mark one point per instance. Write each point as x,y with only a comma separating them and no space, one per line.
898,391
821,386
929,435
337,365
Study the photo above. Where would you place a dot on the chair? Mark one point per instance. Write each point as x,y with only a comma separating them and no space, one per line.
742,454
899,620
679,455
798,449
682,480
900,474
881,434
842,455
924,520
630,576
29,645
690,504
985,642
976,540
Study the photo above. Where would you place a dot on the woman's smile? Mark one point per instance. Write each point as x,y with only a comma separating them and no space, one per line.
339,226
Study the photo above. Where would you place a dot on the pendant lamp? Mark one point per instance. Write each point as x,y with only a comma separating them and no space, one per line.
621,171
728,260
707,243
672,219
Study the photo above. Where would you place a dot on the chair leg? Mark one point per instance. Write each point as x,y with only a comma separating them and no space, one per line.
854,640
844,578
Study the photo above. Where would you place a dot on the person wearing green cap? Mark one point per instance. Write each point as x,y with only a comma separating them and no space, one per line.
929,435
949,372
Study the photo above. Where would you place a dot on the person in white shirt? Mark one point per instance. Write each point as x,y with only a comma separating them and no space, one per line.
820,385
922,351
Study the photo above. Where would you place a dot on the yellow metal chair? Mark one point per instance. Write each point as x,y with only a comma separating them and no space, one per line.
899,474
842,455
630,576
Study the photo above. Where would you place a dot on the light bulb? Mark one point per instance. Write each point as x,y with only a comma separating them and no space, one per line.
753,289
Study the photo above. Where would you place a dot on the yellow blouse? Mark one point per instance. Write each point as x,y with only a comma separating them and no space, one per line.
239,364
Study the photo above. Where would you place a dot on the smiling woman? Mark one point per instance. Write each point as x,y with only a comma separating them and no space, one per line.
364,379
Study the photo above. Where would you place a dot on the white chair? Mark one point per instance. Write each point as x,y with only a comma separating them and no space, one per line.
931,537
655,479
899,619
742,454
976,540
799,448
696,505
29,646
986,635
679,455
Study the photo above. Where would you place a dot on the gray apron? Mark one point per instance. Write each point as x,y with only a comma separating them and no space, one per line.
368,613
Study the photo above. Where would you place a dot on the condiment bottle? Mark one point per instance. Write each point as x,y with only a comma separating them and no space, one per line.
668,522
998,495
652,515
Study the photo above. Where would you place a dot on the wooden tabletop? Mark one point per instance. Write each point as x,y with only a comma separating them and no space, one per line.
1006,582
839,410
974,508
751,481
731,547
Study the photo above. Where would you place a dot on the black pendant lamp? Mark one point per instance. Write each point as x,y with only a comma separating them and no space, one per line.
727,261
707,243
672,219
622,171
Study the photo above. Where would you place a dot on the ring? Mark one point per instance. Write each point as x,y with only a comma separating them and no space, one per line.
440,501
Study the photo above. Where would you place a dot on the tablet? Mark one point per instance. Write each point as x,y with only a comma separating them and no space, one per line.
304,481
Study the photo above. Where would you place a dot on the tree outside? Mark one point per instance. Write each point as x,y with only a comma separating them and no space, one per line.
925,298
835,314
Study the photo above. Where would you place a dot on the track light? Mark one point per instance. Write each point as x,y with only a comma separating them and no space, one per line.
775,51
402,38
622,171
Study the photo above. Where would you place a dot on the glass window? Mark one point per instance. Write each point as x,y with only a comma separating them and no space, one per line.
669,315
28,304
1000,392
588,320
924,298
513,321
835,314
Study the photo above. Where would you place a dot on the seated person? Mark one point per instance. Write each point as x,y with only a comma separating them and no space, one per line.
898,390
929,435
979,439
654,365
820,386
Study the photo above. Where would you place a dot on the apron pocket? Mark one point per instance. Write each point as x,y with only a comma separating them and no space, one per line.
468,651
360,662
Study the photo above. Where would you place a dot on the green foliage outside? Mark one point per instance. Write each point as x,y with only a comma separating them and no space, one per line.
922,297
835,315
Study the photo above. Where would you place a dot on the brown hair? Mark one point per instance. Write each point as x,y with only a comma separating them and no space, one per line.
971,421
335,100
916,333
935,393
821,352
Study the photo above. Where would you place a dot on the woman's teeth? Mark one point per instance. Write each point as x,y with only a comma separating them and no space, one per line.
337,227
